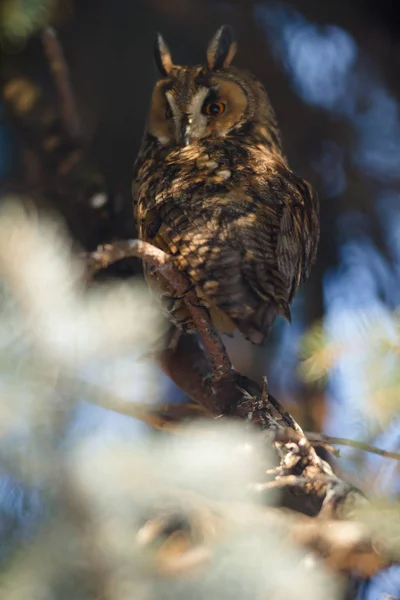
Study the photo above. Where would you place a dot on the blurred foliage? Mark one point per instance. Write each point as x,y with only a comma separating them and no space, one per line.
318,354
383,517
168,516
118,518
373,343
21,18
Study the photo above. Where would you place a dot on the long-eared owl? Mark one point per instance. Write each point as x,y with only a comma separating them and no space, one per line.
212,188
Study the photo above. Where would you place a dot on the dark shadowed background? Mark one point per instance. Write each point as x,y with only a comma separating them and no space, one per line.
331,69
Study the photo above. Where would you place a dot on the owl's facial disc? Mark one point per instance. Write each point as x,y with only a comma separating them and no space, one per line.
210,110
215,110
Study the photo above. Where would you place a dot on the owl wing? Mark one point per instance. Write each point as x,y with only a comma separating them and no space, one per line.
298,231
245,251
284,240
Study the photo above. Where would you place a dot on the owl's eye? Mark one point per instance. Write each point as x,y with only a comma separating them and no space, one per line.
213,109
168,112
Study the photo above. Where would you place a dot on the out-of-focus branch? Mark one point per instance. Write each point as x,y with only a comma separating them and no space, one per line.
346,546
60,71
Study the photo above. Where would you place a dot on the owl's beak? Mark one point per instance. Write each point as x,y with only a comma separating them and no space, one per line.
186,130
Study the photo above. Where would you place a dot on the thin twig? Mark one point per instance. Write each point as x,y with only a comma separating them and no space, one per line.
60,71
328,447
329,439
153,415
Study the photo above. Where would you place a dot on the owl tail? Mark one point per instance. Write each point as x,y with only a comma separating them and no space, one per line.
256,328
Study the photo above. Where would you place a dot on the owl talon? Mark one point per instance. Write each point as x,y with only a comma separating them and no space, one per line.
189,288
201,307
169,301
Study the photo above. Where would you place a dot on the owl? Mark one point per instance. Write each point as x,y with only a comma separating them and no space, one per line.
213,189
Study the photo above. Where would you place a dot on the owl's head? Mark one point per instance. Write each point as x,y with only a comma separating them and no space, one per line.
191,103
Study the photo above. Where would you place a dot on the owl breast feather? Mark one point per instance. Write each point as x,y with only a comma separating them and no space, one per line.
219,212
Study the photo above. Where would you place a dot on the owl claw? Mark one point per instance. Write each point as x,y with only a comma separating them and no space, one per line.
200,306
166,298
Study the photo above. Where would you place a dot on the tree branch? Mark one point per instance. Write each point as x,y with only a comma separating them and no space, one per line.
60,71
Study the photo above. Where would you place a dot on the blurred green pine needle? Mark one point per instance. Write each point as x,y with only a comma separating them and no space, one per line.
374,346
21,18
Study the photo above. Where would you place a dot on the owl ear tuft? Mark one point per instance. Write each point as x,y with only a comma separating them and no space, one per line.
222,48
162,56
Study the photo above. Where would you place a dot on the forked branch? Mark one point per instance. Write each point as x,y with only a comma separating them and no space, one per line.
214,390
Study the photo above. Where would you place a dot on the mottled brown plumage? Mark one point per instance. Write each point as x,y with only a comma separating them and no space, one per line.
213,189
